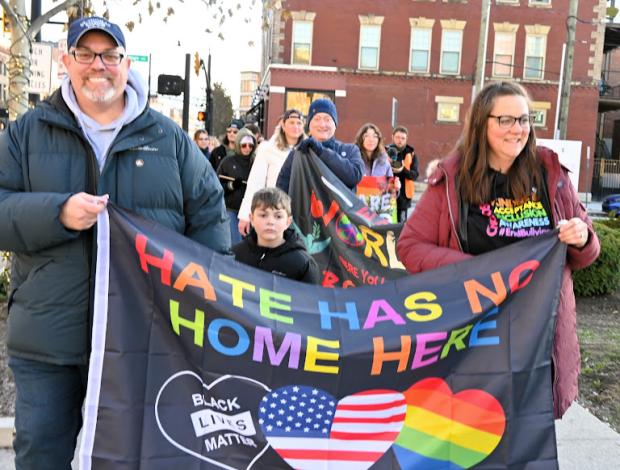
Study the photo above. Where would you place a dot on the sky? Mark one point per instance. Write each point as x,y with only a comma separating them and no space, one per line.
184,33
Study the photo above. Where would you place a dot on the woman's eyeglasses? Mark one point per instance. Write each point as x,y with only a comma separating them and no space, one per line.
247,146
507,122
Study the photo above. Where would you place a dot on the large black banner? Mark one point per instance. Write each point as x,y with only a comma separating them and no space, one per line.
199,362
352,244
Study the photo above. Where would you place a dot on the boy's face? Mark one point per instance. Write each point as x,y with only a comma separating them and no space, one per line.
270,224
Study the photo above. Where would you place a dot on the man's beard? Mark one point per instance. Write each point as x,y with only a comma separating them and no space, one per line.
98,96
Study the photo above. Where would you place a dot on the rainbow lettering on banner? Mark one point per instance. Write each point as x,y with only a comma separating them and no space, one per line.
379,193
446,430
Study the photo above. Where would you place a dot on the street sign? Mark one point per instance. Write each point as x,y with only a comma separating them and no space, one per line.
40,68
138,58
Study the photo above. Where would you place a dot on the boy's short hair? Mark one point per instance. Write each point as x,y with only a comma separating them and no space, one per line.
402,129
271,198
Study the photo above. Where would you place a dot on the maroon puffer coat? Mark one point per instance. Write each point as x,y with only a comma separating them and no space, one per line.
429,240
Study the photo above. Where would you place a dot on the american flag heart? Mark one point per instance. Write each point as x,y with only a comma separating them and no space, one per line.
311,430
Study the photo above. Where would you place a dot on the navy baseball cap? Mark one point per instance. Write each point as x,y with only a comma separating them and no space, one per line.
81,26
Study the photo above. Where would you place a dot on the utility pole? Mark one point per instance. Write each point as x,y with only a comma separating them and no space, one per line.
481,59
186,93
209,122
571,26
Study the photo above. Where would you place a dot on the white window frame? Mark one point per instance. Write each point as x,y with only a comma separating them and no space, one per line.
361,45
543,57
293,42
428,31
460,51
540,3
511,53
451,102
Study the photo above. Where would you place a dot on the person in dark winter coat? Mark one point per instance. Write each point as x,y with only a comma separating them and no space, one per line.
94,140
463,211
201,137
404,163
227,147
344,160
271,244
233,173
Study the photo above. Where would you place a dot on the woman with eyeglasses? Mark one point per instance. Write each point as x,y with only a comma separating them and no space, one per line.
270,156
370,142
233,173
227,147
497,188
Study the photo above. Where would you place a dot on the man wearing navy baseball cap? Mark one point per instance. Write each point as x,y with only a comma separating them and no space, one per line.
344,160
92,141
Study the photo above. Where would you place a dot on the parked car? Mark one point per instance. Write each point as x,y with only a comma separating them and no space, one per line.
611,204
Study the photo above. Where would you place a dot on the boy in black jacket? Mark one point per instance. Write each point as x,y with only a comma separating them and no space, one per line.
271,244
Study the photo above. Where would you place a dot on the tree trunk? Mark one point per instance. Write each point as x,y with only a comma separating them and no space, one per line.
19,62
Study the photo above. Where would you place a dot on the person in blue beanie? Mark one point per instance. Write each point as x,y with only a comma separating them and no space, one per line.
343,159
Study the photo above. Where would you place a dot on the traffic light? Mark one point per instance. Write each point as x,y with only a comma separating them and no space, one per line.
197,62
202,116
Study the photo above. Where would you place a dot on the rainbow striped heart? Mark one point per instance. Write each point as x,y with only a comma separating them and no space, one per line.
446,430
310,429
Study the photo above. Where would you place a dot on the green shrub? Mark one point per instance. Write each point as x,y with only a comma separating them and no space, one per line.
602,276
612,223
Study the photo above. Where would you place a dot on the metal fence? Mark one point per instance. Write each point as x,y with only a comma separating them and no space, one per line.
605,177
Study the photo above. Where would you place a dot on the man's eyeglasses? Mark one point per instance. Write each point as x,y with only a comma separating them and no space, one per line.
86,56
247,146
506,122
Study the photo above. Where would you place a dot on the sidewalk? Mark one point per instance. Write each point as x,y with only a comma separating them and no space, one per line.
584,443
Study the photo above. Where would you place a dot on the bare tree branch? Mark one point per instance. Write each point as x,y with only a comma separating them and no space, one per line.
37,24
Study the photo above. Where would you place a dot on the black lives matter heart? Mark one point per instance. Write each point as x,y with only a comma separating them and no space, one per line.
213,421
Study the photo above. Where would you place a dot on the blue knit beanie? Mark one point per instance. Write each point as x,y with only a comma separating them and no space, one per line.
323,105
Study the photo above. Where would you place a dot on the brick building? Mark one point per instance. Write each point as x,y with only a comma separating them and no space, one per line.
364,53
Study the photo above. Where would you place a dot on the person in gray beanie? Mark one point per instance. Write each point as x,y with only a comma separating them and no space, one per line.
343,159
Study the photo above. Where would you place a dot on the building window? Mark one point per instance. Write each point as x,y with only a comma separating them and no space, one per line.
543,3
503,54
420,49
370,39
448,108
535,46
451,41
301,99
302,42
538,112
539,117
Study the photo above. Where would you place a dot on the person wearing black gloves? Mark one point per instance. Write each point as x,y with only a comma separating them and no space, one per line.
233,173
343,159
404,165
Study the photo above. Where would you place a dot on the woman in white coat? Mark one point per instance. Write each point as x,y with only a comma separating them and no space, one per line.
269,158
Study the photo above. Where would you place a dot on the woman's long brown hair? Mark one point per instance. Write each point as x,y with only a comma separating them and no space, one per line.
359,141
474,179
